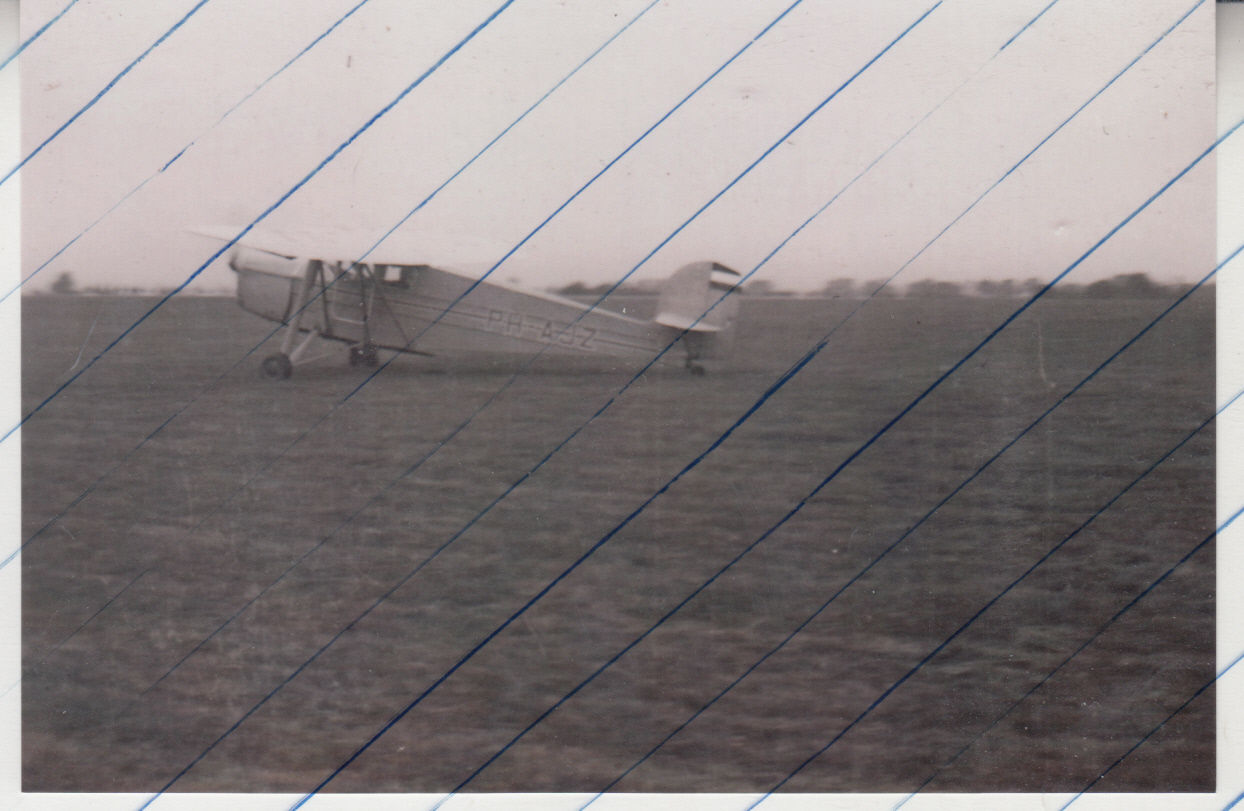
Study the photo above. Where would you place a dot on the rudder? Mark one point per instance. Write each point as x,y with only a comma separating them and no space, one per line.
701,299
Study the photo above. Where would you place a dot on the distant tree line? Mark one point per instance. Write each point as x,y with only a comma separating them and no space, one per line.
1124,285
66,285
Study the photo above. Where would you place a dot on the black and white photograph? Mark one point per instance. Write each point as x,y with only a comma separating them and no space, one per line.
622,404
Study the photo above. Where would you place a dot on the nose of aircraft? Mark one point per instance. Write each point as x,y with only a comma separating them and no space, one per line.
266,282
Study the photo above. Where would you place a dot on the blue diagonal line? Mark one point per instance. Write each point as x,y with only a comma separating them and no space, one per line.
1066,661
592,306
990,603
107,88
298,439
942,378
569,438
638,375
36,35
492,398
614,287
682,604
330,642
411,468
183,150
950,371
767,394
331,156
1056,130
798,507
1031,22
1234,802
1158,728
381,368
781,382
833,199
516,484
338,405
101,609
998,720
943,231
906,264
312,299
475,284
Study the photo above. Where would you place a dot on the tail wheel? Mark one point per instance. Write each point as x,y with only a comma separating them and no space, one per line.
365,355
277,367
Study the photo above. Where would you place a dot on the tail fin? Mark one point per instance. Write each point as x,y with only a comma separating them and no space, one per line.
692,300
691,291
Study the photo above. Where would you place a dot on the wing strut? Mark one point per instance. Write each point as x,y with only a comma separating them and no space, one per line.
364,353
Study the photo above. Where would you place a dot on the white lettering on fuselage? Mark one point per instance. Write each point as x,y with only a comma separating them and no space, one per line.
519,325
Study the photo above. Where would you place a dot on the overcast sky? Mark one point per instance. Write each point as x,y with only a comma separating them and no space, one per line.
989,109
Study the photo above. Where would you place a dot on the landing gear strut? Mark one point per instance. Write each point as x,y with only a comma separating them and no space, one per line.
281,365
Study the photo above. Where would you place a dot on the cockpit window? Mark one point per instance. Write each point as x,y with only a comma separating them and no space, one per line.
396,275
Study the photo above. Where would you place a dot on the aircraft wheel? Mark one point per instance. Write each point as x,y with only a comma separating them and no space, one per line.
277,367
365,355
696,369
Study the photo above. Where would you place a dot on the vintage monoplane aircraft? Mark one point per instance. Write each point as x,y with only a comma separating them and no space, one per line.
421,309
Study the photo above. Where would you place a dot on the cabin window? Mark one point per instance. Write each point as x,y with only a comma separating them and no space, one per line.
395,275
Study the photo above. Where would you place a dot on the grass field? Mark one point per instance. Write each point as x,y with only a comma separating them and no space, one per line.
251,475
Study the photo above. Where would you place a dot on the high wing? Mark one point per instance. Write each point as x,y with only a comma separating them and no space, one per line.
337,245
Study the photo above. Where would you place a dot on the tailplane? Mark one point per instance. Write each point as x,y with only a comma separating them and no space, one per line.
702,300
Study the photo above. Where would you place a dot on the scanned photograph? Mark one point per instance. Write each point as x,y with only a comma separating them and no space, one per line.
759,399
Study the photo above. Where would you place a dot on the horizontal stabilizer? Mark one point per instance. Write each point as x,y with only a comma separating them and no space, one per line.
680,321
